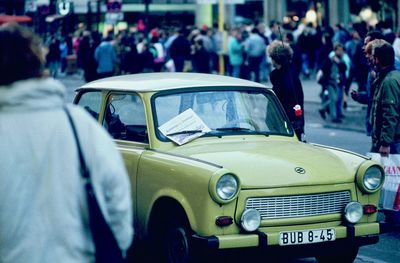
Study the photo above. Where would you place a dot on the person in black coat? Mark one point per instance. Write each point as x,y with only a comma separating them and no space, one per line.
201,58
287,85
53,58
180,51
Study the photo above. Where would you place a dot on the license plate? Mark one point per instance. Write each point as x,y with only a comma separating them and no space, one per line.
306,237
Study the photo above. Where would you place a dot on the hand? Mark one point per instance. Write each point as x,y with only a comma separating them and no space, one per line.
384,151
336,59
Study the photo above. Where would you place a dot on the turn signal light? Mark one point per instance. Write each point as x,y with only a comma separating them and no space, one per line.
370,209
224,221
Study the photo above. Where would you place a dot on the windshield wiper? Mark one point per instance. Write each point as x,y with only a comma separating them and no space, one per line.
242,129
232,129
184,132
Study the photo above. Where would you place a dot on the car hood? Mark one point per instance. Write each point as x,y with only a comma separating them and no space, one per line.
273,164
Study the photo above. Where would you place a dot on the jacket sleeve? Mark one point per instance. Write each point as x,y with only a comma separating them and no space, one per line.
390,100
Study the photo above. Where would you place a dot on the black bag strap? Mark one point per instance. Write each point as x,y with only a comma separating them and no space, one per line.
84,170
106,245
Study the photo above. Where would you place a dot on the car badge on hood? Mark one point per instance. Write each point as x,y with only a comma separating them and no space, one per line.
299,170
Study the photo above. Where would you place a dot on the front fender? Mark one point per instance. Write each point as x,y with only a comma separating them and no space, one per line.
184,180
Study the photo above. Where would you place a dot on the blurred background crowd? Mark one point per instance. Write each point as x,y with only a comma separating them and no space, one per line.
190,48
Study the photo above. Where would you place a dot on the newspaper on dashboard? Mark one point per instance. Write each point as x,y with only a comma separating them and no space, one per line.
184,128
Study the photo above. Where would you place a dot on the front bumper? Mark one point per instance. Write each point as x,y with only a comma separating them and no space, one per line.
358,235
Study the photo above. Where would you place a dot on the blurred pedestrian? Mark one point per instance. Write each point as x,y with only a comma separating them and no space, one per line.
43,204
255,50
287,85
385,114
86,59
63,54
235,52
324,50
306,43
323,55
341,35
106,58
53,58
264,66
353,49
180,51
333,79
159,60
201,58
130,58
146,57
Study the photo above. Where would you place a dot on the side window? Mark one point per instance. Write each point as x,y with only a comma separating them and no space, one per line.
91,101
125,118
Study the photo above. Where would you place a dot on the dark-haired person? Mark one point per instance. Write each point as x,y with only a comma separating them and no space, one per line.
43,205
385,114
385,111
286,84
365,96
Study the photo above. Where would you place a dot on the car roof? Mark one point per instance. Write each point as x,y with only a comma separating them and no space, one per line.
150,82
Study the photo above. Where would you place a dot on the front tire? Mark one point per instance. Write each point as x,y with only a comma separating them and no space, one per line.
177,245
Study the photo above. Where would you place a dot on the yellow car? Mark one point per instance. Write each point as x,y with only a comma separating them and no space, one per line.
215,165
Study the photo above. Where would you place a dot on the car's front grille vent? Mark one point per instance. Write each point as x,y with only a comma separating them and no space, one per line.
299,205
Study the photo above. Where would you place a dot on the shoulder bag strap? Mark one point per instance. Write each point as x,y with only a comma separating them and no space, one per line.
84,170
106,245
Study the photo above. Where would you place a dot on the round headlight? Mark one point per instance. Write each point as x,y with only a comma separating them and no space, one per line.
227,187
250,220
373,178
353,212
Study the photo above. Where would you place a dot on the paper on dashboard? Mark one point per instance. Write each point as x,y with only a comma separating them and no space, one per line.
188,124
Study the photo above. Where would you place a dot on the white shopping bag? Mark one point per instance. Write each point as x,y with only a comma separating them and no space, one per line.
390,195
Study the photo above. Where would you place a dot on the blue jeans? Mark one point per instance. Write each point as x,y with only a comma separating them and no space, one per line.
335,101
236,71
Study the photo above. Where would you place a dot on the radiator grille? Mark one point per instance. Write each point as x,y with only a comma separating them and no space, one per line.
299,205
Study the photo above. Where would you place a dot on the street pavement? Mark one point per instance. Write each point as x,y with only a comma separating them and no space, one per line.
354,113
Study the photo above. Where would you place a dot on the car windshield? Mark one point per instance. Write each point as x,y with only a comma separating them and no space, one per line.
225,112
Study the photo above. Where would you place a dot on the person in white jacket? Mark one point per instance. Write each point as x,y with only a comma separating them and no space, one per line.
43,205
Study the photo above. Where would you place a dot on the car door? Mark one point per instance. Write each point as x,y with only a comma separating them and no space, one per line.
123,116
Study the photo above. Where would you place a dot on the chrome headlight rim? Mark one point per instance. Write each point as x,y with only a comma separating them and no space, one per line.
370,177
353,212
250,220
373,180
224,188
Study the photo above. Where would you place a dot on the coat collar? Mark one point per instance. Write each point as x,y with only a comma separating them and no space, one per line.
32,94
